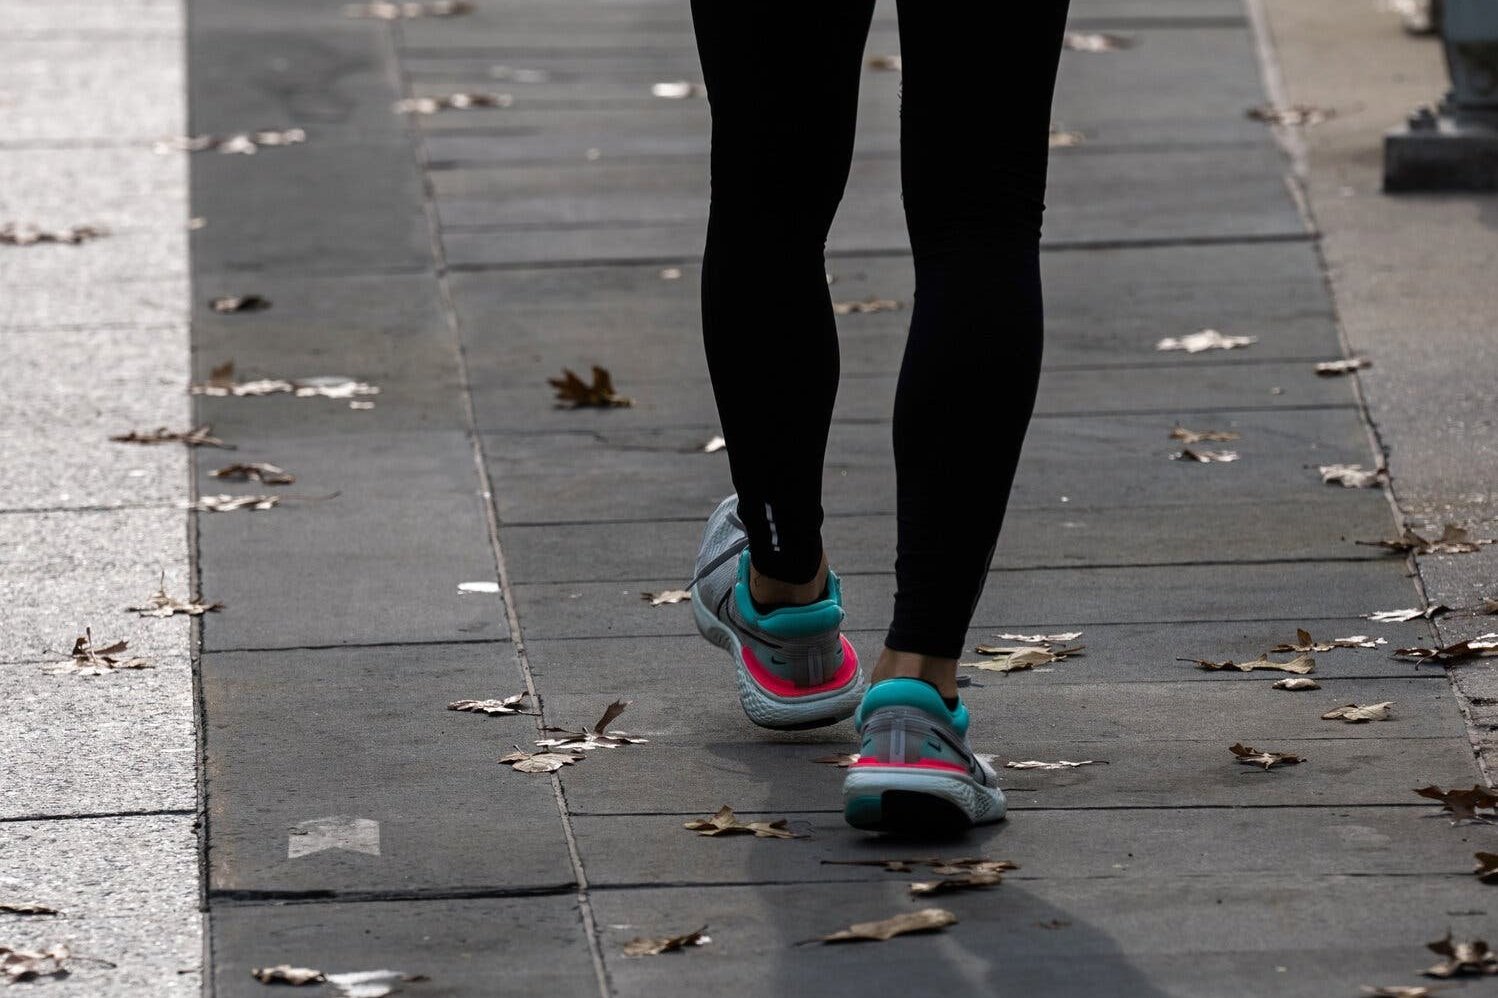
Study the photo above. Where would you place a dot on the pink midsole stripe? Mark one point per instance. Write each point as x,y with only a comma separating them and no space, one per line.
785,688
923,764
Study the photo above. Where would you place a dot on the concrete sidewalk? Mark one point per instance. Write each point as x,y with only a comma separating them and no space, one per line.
458,260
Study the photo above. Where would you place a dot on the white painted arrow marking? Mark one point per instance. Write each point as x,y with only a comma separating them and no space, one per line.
340,831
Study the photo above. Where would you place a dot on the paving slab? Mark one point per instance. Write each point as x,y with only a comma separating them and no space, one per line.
74,744
110,187
1115,653
1147,593
369,584
1140,844
1329,935
663,474
386,330
530,946
1104,308
297,736
159,302
122,259
663,551
1208,192
67,89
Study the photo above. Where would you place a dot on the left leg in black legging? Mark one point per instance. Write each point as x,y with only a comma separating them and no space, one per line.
975,121
782,142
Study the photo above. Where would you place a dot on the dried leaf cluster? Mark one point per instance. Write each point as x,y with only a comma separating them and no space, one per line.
1251,756
1305,643
382,11
575,393
162,605
1402,616
725,822
508,705
868,305
1058,764
1346,365
221,383
1463,958
1295,114
1207,339
1079,41
1453,540
1482,646
656,945
598,736
1017,658
265,474
201,436
225,503
451,102
1201,456
86,660
1353,476
242,143
12,234
27,965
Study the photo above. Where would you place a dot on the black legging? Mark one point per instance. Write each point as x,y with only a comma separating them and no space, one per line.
782,79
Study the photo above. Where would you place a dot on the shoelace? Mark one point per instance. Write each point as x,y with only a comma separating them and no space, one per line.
732,551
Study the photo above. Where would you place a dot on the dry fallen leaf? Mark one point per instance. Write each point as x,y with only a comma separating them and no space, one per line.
1079,41
1453,540
866,306
1295,114
539,762
265,474
231,304
887,63
1207,339
399,11
201,436
1204,456
1332,368
285,973
1058,764
1352,476
12,234
1401,616
1487,867
667,596
26,908
369,983
1186,436
1463,805
1015,659
654,946
27,965
840,761
945,866
678,90
1354,714
1296,683
243,143
1039,639
227,503
162,605
670,273
1464,958
1397,991
967,881
221,383
925,920
1058,139
1300,664
597,736
451,102
575,393
1305,643
1256,757
725,822
714,444
86,660
1482,646
508,705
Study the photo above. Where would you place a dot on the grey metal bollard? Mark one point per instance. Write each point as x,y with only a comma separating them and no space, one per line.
1455,146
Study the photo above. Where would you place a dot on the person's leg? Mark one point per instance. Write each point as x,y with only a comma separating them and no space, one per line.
782,82
968,381
976,79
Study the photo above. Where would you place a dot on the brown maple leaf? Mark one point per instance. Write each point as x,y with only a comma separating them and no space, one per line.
539,762
1463,805
725,822
575,393
1251,756
1482,646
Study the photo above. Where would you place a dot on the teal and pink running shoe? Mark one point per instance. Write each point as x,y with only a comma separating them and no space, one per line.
915,771
795,668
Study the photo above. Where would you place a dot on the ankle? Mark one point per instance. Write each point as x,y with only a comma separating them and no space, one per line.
767,591
939,672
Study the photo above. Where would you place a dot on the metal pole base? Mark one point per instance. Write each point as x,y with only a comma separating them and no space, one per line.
1439,152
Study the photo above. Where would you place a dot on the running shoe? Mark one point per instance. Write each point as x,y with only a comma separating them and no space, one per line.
915,771
795,668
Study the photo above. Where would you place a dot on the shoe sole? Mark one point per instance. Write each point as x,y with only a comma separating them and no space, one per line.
766,709
903,800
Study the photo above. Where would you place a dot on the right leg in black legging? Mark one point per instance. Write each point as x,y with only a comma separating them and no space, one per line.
782,81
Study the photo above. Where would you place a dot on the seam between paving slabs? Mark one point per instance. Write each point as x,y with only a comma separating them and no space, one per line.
402,84
1293,146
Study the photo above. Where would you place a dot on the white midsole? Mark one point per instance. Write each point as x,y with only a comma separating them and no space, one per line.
981,804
